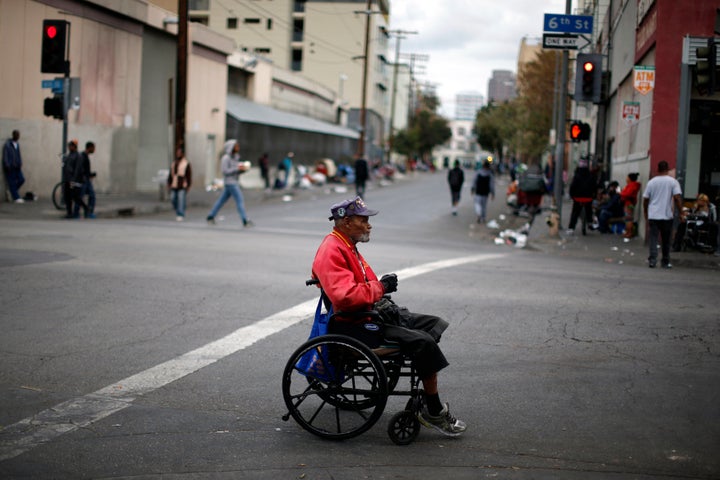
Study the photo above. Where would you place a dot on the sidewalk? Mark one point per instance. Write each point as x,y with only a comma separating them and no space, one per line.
608,248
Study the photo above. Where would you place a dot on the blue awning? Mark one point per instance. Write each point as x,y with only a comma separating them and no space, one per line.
247,111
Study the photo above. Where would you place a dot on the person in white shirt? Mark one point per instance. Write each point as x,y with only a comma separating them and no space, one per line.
661,193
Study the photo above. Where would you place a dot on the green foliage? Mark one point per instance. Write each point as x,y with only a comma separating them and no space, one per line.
427,129
522,125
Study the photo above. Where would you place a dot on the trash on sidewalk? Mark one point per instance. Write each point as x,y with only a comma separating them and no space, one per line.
512,237
493,224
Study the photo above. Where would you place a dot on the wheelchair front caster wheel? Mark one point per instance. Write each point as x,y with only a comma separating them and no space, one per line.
404,427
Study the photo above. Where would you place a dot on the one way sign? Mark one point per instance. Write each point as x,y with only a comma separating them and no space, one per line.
562,41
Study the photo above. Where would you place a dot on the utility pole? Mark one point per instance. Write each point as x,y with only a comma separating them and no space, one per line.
363,112
561,130
398,36
181,75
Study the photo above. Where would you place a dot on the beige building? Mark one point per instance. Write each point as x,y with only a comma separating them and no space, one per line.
124,55
322,41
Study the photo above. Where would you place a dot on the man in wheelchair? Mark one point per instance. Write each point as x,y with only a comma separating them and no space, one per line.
351,286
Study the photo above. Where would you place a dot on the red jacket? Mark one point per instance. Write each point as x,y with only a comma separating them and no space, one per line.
345,276
629,193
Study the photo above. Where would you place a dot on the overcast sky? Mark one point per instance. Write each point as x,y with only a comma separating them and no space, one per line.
467,39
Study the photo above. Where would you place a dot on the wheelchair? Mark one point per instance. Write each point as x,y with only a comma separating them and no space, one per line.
336,387
698,234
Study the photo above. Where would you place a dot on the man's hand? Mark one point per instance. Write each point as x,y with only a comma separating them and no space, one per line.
389,282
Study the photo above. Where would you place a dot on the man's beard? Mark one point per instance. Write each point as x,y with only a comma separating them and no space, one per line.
364,238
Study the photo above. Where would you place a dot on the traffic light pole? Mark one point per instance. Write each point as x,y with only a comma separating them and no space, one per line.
562,120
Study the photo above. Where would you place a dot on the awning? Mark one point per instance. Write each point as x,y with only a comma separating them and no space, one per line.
247,111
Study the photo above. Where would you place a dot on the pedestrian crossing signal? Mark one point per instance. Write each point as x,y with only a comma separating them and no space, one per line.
579,131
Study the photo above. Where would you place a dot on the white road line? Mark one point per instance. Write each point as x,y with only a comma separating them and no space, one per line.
80,412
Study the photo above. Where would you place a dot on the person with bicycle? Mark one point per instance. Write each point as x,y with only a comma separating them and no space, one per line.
351,285
72,180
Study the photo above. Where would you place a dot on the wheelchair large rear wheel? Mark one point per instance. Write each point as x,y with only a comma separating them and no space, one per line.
343,395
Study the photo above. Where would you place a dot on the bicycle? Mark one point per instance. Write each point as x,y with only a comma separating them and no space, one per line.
58,196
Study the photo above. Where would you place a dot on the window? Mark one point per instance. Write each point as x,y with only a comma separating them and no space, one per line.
269,23
204,19
299,6
232,23
199,4
261,50
298,27
461,131
296,60
251,20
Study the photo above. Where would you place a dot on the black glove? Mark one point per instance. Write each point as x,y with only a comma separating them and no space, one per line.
389,282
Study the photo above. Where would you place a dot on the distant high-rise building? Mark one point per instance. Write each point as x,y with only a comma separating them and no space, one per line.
501,86
467,104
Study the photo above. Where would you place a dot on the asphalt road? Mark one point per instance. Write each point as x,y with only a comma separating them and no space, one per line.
146,348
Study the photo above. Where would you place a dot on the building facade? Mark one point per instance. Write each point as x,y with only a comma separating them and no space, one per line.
320,40
501,86
467,105
653,109
124,55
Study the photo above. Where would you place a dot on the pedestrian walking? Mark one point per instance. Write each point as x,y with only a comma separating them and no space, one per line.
231,167
362,173
71,162
179,182
483,187
582,192
662,193
264,163
87,175
455,178
12,166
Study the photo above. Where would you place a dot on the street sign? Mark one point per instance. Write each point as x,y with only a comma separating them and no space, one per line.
56,84
561,41
557,23
644,79
631,113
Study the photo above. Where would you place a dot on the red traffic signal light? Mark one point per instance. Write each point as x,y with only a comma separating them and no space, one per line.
54,47
588,78
579,131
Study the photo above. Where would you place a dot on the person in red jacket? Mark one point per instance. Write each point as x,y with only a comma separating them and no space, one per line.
628,197
351,285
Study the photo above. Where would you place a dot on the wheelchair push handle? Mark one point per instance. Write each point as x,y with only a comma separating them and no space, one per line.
312,281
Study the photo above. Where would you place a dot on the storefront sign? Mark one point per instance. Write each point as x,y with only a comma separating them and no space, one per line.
644,79
631,113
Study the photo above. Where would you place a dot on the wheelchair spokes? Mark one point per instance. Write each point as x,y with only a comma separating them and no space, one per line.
338,394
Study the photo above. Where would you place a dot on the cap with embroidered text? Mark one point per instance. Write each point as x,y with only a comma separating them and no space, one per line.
348,208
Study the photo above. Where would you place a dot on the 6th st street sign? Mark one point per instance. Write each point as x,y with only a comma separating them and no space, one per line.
557,23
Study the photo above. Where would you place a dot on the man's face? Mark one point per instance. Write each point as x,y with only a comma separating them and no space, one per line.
358,228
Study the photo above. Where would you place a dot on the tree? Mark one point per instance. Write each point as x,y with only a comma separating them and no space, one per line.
426,130
521,126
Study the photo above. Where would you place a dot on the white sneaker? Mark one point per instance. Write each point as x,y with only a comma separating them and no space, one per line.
443,423
19,200
179,219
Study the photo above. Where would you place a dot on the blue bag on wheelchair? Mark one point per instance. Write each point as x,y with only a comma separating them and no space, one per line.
315,363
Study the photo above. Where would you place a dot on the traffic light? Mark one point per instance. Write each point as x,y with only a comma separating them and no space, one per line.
588,78
54,47
705,76
54,107
579,131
